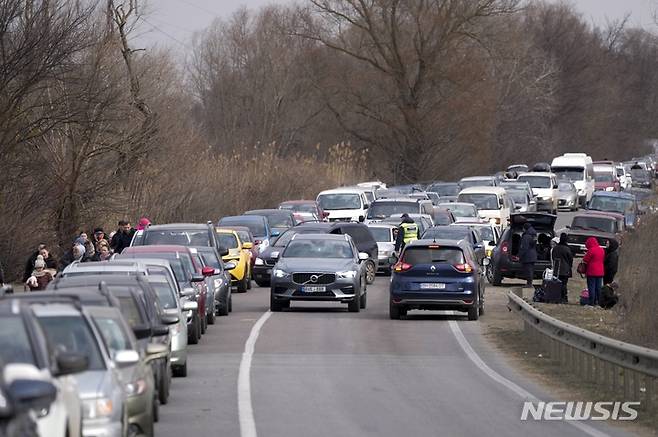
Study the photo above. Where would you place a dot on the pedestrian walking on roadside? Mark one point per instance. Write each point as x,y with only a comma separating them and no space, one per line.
594,260
528,252
122,237
611,262
407,232
563,261
40,277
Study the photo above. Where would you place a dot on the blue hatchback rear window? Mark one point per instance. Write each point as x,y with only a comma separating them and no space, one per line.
433,255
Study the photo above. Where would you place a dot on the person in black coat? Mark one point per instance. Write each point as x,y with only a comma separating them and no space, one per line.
528,252
51,262
611,262
563,263
123,237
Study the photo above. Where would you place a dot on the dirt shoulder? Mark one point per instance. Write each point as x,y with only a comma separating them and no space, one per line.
505,331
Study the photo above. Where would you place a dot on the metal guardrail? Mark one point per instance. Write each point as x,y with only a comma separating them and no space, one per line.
624,369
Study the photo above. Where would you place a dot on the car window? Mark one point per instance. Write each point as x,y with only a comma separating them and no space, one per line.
612,204
16,345
594,223
318,249
565,186
227,241
445,189
72,334
481,201
177,237
166,295
114,335
429,255
210,259
130,310
442,218
256,226
382,235
460,210
383,209
447,233
360,234
486,233
339,201
536,181
244,236
280,221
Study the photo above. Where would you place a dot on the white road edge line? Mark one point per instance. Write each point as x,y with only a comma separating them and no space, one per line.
245,407
521,392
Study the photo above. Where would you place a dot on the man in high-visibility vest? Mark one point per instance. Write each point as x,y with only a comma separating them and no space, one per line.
407,232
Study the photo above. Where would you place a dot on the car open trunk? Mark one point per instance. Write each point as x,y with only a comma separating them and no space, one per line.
543,223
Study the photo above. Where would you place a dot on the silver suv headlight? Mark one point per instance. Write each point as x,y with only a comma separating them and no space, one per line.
278,273
96,408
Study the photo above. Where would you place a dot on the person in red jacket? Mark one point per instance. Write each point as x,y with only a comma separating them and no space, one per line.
594,259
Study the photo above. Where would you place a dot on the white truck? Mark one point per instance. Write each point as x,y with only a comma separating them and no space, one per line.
579,169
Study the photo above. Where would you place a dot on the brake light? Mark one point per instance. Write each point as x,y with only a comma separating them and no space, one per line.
504,246
402,267
465,268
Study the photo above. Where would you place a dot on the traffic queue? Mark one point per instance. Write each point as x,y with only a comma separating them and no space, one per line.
93,345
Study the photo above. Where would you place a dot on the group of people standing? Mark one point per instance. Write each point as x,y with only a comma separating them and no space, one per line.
41,267
599,265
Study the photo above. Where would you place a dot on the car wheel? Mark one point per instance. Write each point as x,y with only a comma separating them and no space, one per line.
242,284
224,308
230,303
354,306
156,410
275,305
211,318
489,274
497,277
180,371
474,311
204,325
395,311
363,301
481,305
371,272
193,334
163,393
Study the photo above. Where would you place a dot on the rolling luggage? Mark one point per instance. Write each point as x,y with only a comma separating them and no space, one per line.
552,286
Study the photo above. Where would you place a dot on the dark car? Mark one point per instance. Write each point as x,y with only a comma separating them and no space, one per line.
257,224
139,305
457,232
541,167
319,267
640,177
192,285
383,208
278,219
442,216
438,275
505,258
622,203
305,209
445,188
361,235
603,227
220,278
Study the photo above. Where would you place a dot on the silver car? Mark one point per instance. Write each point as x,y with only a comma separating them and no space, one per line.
567,196
69,328
385,237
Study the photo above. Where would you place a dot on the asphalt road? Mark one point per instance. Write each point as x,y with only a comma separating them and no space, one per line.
321,371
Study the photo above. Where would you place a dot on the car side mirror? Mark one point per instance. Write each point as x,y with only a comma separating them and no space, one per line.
492,243
32,394
555,187
189,305
223,251
156,351
275,233
125,358
363,256
197,278
70,362
248,245
159,330
188,292
208,271
169,320
478,246
142,331
230,266
568,226
366,205
362,219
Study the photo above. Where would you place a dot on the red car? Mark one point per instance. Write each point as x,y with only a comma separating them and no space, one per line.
190,276
605,176
304,210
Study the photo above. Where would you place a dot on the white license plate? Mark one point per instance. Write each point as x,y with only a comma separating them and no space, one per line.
433,286
314,288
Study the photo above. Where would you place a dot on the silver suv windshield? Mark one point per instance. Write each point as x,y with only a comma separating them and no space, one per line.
318,249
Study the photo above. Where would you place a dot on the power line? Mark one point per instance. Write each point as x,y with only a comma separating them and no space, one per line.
201,8
156,28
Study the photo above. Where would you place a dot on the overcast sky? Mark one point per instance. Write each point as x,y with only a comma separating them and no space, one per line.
173,22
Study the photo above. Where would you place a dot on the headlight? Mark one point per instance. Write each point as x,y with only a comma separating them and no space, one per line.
280,273
350,274
259,262
96,408
136,388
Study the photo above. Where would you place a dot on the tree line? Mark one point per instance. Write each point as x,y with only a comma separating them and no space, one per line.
283,101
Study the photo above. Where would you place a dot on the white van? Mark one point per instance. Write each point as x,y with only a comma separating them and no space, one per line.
544,188
344,204
493,203
579,169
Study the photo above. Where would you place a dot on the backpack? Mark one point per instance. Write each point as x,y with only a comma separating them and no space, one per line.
538,295
584,297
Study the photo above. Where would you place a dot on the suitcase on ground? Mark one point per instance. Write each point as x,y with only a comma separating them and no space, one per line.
552,290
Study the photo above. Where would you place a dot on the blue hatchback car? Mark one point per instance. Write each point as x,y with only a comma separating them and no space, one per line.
438,275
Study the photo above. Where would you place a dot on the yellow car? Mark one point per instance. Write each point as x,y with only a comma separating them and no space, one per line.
239,253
